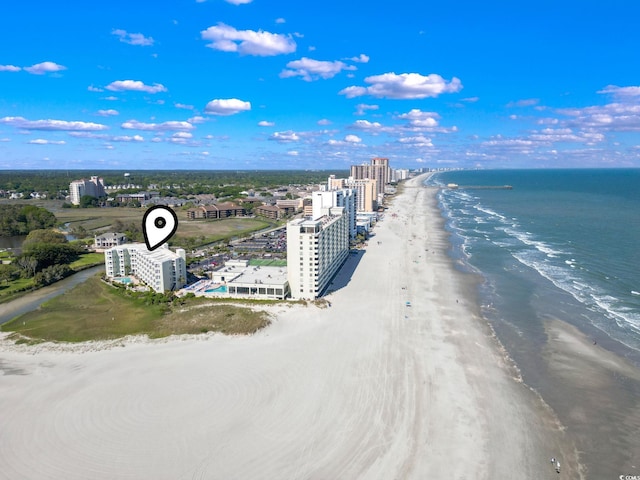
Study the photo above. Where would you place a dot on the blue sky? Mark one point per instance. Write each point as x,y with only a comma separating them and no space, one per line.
267,84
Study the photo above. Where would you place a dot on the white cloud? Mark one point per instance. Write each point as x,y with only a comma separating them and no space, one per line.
264,123
621,92
49,124
352,139
310,69
248,42
529,102
293,153
197,119
362,108
88,135
184,106
164,126
366,125
280,20
614,116
9,68
285,137
418,141
324,122
418,118
228,106
42,141
108,113
91,88
181,138
404,86
182,135
44,67
133,38
362,58
127,138
136,86
508,142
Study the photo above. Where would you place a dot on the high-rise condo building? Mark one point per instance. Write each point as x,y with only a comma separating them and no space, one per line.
378,170
79,188
345,197
316,249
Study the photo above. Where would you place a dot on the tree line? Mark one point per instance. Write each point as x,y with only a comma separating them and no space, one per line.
187,181
22,219
45,257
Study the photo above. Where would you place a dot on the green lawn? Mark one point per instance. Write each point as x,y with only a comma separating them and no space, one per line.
87,260
267,262
96,311
13,289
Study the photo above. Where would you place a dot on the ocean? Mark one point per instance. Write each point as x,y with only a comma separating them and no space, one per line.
561,244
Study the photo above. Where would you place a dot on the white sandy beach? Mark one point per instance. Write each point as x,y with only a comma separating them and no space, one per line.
365,389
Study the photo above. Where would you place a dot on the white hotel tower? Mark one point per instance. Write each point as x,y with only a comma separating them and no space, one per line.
161,269
316,249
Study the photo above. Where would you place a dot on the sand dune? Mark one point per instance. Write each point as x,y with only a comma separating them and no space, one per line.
365,389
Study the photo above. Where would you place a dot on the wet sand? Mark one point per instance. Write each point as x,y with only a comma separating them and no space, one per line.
596,395
367,388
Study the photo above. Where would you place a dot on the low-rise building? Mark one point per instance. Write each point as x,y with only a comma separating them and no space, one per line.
221,210
269,211
109,240
238,279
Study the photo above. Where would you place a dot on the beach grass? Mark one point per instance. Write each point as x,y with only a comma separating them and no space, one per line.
94,310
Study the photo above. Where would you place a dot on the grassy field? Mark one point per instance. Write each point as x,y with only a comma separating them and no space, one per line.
87,260
97,218
210,231
96,311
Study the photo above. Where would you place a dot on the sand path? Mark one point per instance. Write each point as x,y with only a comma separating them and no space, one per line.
365,389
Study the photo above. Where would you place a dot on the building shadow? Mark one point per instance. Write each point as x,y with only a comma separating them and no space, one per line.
343,277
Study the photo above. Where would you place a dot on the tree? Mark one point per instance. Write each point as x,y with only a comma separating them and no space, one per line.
52,274
44,236
21,219
87,201
48,254
28,265
7,272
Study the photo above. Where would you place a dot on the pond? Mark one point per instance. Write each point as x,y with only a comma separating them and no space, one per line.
14,242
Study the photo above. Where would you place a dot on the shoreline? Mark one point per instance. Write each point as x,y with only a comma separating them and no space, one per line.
591,388
366,388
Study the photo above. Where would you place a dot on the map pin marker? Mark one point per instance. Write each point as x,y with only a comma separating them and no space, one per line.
158,225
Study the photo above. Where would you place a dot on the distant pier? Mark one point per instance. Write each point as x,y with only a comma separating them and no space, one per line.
455,186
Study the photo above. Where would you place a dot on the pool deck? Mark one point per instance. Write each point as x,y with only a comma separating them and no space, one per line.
201,286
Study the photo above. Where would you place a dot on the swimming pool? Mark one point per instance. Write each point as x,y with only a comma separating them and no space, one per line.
220,289
125,280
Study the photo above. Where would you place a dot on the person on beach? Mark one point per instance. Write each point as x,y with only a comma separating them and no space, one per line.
553,460
558,467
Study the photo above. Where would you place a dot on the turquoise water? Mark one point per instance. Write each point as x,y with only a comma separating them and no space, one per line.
220,289
125,280
562,244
